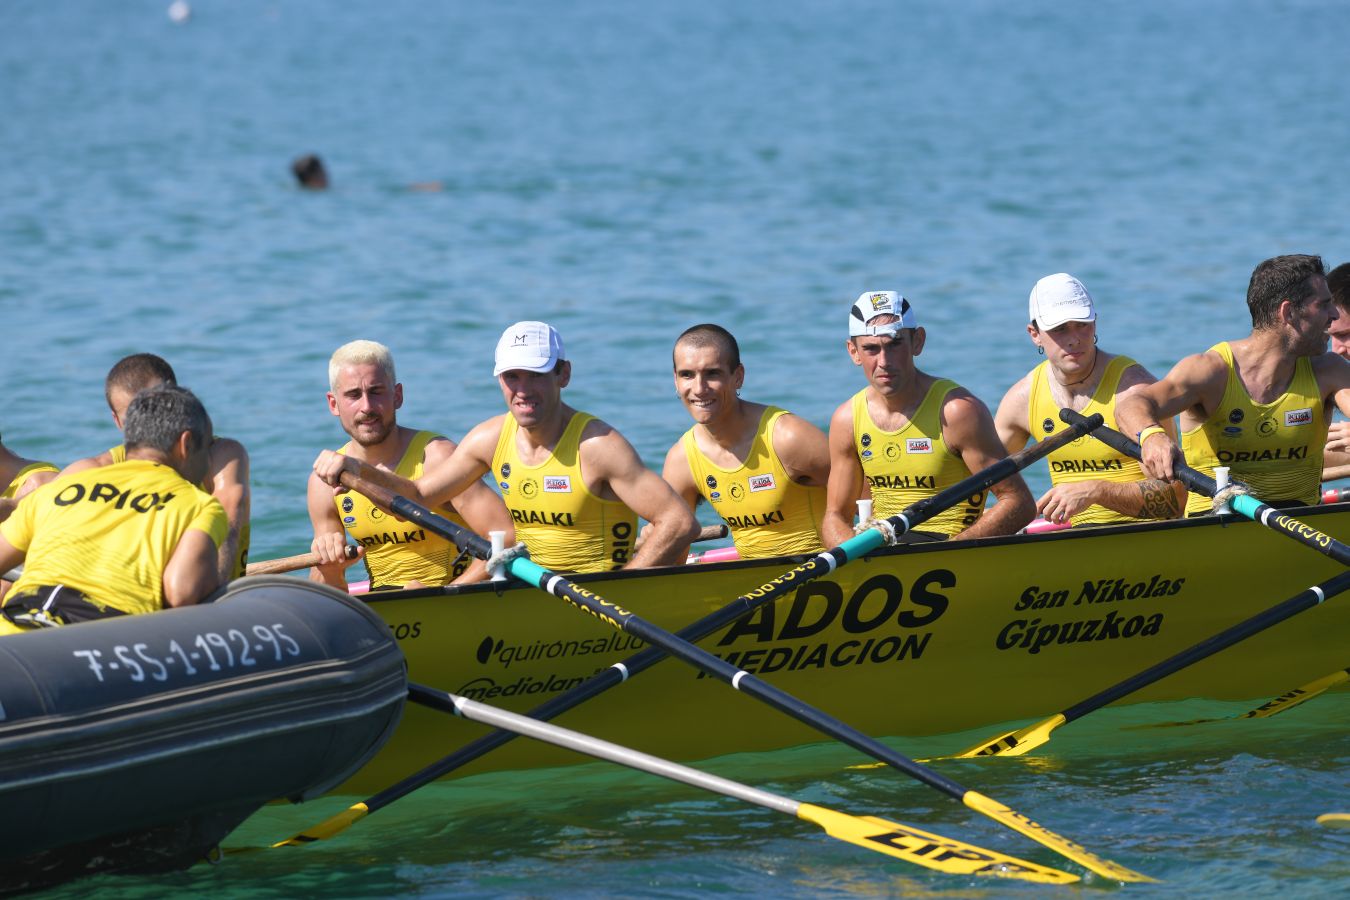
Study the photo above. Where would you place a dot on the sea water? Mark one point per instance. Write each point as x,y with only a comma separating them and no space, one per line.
625,170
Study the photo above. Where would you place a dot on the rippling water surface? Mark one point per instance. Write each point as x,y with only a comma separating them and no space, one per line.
626,170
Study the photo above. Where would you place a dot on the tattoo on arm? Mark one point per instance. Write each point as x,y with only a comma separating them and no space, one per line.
1158,500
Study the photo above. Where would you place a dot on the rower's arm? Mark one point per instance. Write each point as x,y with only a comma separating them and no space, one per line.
191,572
229,485
676,473
1196,383
845,484
617,464
438,484
803,449
1014,431
10,556
968,431
480,507
330,538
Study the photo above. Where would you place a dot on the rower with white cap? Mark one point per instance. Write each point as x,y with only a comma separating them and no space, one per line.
574,486
1092,483
909,435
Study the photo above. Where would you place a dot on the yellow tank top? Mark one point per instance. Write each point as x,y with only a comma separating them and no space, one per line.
565,526
109,532
1274,448
395,552
119,454
1086,458
767,512
24,474
903,467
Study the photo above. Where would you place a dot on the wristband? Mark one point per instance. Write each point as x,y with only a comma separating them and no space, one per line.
1149,432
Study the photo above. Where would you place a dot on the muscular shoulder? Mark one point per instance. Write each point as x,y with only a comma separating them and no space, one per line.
437,449
600,445
1134,376
225,449
1014,403
481,441
89,462
963,417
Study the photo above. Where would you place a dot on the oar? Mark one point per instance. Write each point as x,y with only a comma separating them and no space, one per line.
1245,504
905,842
290,563
621,619
1016,743
1273,707
707,533
616,674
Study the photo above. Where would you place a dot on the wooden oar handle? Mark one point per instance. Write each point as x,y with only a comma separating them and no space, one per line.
290,563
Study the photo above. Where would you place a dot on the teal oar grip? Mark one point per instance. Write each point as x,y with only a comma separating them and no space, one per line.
1244,504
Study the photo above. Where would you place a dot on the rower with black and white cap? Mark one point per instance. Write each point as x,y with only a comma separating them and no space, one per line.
908,435
1092,483
574,486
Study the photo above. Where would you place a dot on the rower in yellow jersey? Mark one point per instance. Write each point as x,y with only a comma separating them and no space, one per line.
131,537
226,476
365,396
1092,483
1258,405
762,469
909,435
575,487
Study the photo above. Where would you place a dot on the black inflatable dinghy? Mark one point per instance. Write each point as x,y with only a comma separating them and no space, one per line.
137,743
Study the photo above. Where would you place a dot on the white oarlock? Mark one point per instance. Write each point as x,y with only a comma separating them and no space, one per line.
866,522
1220,483
496,565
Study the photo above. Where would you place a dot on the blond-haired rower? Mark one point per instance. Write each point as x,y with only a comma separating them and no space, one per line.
574,485
365,395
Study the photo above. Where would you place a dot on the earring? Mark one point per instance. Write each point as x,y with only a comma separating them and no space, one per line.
1040,349
1094,340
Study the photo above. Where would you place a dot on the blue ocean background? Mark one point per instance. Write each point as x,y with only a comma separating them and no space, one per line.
624,170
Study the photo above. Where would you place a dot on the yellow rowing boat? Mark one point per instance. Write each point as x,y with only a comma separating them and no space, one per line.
915,640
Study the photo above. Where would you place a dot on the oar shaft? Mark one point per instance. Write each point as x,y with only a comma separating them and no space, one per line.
1305,599
289,563
817,566
593,746
1245,504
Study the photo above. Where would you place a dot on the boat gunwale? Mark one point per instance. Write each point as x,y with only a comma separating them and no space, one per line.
921,548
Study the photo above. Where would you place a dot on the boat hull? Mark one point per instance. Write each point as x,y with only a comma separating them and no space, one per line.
136,743
915,640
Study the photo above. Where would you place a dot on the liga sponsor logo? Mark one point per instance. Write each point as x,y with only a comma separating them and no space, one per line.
762,482
1298,416
557,484
919,445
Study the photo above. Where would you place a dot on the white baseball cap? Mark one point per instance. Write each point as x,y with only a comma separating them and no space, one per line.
871,304
532,346
1060,298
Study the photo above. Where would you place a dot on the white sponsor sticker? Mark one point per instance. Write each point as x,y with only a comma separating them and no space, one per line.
918,445
762,482
557,484
1298,416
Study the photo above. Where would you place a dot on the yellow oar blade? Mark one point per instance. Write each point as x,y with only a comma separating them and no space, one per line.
1334,820
1015,743
931,851
1044,836
327,828
1298,695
